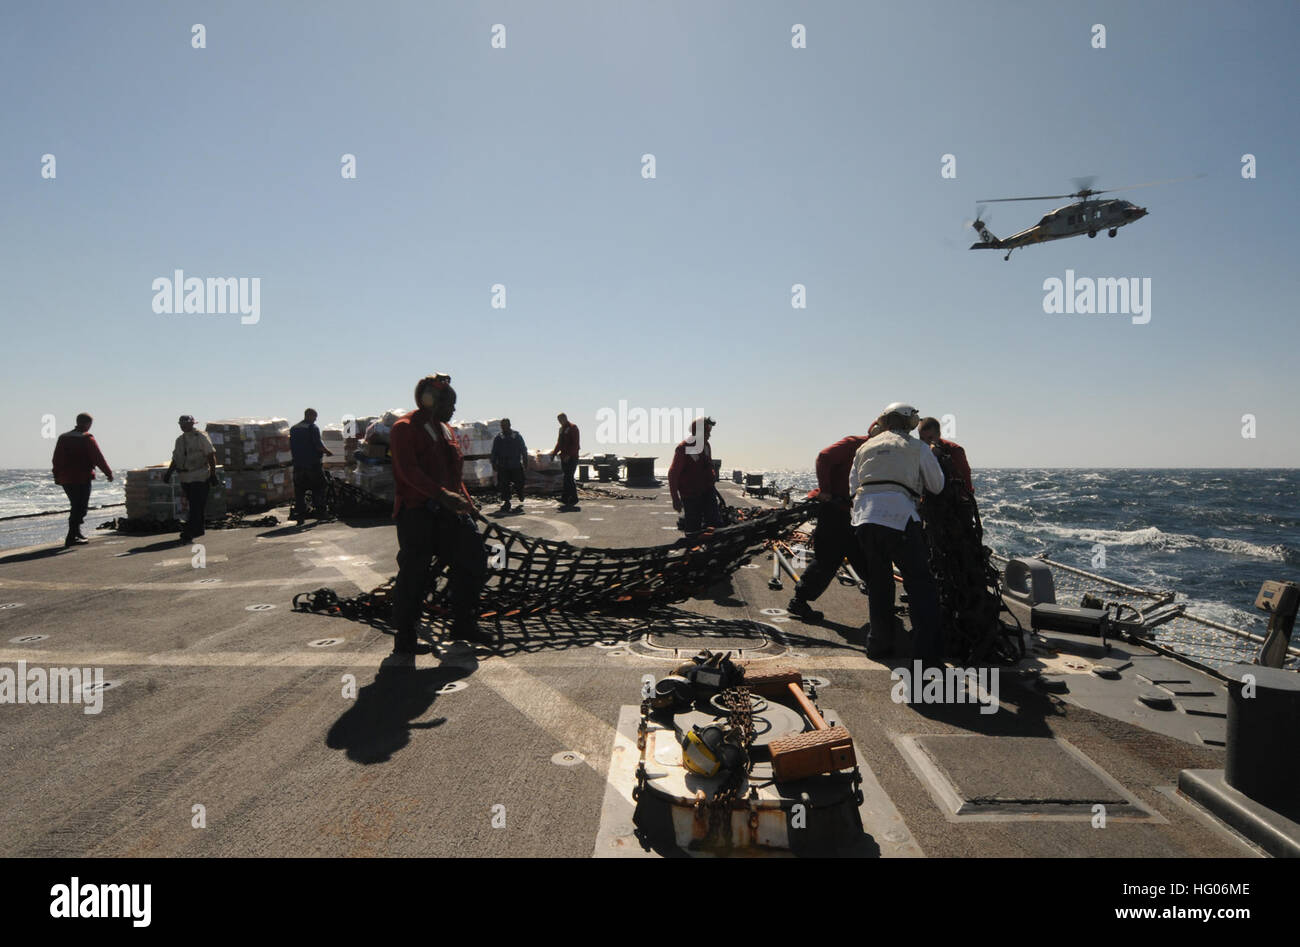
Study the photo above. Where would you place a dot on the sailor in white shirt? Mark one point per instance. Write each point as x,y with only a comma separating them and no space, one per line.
890,471
195,462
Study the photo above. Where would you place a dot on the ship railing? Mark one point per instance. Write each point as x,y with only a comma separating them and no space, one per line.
1166,624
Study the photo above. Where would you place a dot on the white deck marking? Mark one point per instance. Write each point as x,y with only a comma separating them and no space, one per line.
570,725
148,586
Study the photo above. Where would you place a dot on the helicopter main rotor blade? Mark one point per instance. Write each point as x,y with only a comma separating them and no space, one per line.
1130,187
1045,197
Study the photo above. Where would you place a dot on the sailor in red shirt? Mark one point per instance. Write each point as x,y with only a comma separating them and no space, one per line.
566,445
434,517
691,478
833,537
951,456
76,455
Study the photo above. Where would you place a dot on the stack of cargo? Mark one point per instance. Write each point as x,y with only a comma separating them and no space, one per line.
544,473
259,489
374,470
354,432
250,443
149,498
255,454
336,460
475,441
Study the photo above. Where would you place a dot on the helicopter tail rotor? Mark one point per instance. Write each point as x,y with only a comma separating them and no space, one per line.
980,226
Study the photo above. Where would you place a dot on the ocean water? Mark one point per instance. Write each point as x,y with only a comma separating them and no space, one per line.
1213,536
34,491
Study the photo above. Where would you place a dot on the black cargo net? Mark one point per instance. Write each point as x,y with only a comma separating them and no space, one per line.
528,575
967,581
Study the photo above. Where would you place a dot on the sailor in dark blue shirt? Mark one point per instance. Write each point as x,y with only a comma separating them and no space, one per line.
307,447
509,458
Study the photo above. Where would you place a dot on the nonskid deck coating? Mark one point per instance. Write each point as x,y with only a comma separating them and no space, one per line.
231,709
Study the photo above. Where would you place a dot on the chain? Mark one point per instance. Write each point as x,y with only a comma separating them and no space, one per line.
740,720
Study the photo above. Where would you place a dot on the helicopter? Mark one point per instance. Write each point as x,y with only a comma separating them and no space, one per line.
1085,215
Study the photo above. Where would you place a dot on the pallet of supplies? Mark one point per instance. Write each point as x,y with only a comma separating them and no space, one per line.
376,479
478,474
149,498
475,437
259,489
544,473
331,436
250,443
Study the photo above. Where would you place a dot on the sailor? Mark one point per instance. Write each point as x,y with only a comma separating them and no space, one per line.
433,511
194,459
566,445
951,457
833,538
76,455
889,473
691,479
509,455
307,447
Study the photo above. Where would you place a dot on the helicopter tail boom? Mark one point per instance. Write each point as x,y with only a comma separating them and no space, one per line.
987,240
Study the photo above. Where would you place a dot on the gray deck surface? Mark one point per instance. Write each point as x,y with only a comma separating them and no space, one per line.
231,709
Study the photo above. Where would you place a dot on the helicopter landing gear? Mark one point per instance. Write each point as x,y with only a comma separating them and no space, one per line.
1092,233
1112,231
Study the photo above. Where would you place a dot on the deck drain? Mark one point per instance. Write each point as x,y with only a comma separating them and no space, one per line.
99,686
817,682
259,608
27,639
208,581
609,643
749,565
596,519
325,642
451,687
775,611
11,604
568,758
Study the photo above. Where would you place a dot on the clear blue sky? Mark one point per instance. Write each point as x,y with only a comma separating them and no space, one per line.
775,166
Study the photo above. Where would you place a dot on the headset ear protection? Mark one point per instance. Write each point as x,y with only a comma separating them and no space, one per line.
427,398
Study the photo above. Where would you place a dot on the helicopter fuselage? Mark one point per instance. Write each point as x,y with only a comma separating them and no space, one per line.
1071,220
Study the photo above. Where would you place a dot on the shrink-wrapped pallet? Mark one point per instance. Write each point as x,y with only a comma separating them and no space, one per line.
149,498
250,443
374,478
332,437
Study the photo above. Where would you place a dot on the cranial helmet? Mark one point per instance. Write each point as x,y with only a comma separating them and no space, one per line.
904,410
